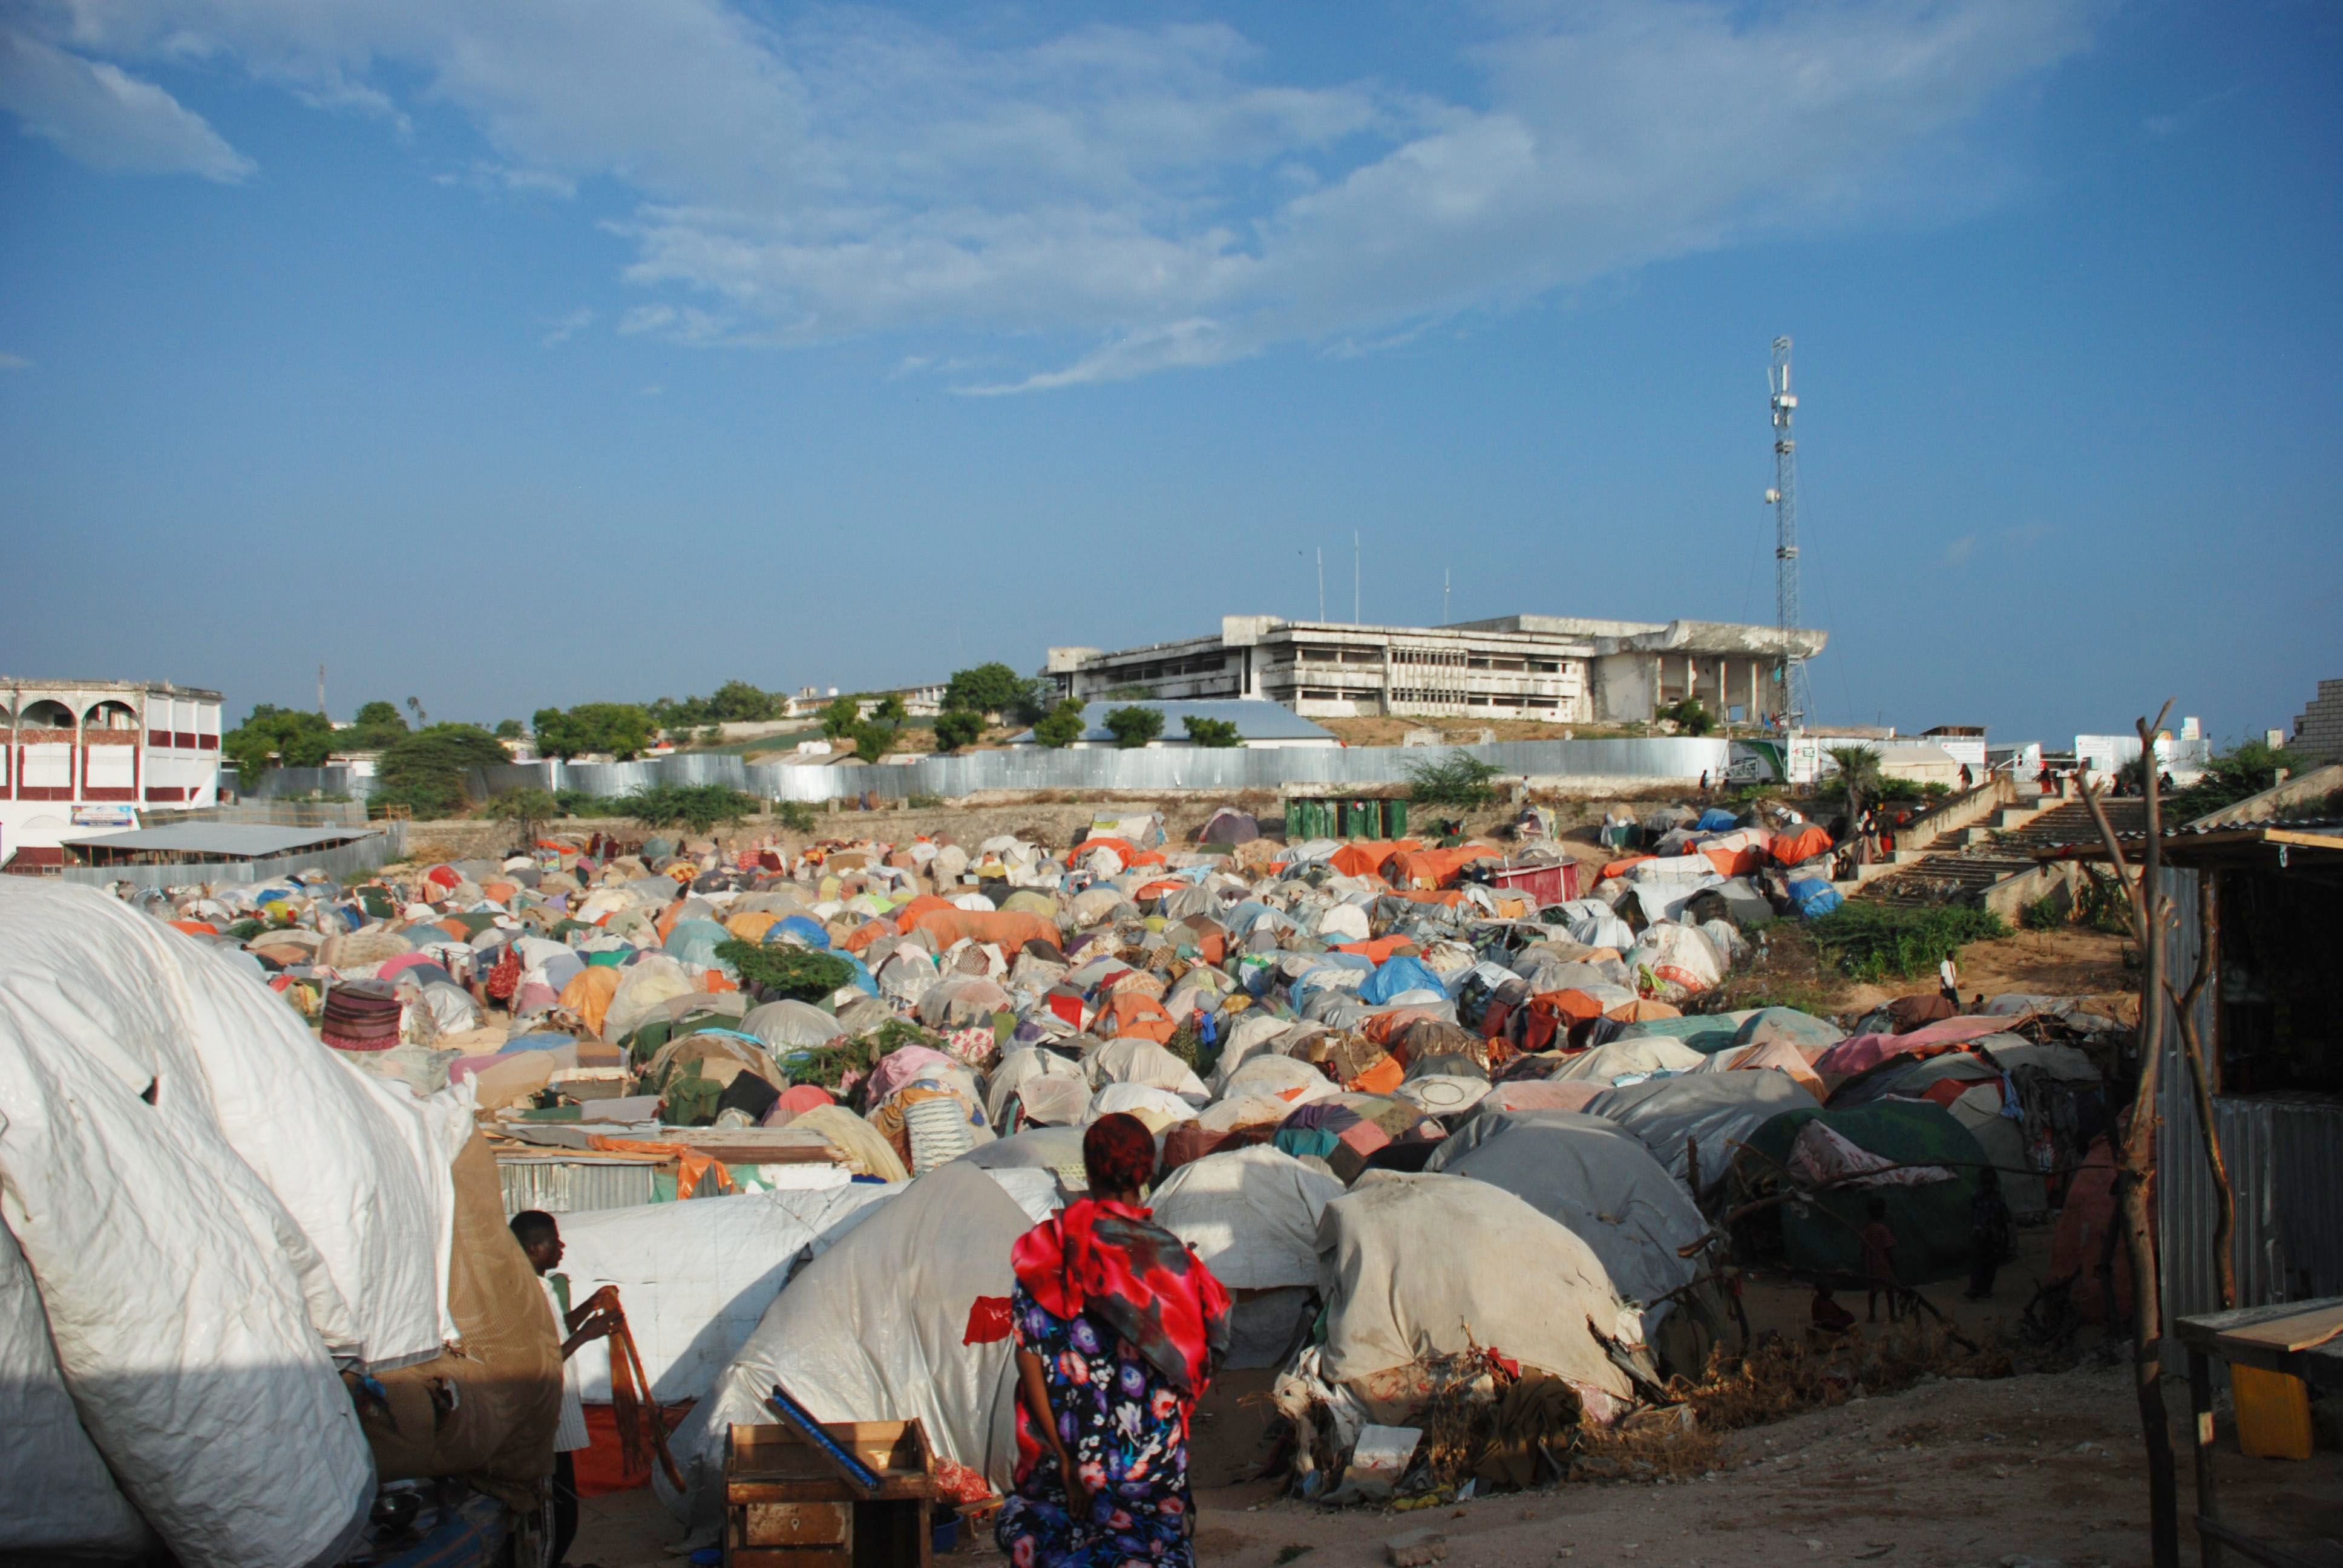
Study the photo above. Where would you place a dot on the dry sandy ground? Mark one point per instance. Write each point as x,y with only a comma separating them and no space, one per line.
2018,1472
2065,962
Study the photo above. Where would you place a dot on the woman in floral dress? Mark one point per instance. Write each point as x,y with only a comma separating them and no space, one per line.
1119,1329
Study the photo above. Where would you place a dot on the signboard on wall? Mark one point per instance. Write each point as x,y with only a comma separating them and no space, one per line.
105,816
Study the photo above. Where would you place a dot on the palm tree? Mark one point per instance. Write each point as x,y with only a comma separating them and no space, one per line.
1859,771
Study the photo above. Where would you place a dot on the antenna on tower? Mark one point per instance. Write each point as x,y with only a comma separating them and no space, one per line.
1796,697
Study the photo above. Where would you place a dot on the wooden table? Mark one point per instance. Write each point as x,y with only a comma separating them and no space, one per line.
2272,1339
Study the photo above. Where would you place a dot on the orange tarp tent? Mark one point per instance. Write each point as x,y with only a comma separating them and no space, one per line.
1381,948
1742,863
1132,855
1362,857
1638,1011
1129,1013
1621,868
1794,849
909,915
1436,868
1011,931
588,994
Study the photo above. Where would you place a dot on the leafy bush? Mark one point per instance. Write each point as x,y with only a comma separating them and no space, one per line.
1690,715
695,806
2044,914
524,804
1871,941
621,728
785,970
2244,770
796,815
1213,732
1458,778
2100,903
426,771
923,802
509,729
957,726
1061,728
572,803
1134,727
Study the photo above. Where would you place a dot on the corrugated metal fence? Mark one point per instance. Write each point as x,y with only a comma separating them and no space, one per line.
1136,772
2285,1157
388,842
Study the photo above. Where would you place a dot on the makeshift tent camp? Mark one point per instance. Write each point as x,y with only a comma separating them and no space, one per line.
1930,1220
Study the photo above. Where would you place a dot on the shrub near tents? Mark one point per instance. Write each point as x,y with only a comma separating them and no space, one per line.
958,728
1218,733
1061,728
428,772
1134,727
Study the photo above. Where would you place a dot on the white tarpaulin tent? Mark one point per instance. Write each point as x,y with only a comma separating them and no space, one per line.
694,1279
1414,1266
203,1259
1599,1182
1717,1109
875,1330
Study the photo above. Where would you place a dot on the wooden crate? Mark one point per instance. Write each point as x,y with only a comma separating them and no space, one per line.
786,1504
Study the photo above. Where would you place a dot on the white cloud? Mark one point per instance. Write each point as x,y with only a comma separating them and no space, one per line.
103,117
15,362
1958,552
568,326
1117,200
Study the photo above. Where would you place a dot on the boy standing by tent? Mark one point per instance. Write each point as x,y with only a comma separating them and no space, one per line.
1878,1261
541,1238
1988,1233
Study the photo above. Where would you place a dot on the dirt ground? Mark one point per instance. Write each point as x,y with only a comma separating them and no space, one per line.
2021,1473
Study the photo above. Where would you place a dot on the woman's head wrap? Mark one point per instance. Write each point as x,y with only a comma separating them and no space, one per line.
1119,1153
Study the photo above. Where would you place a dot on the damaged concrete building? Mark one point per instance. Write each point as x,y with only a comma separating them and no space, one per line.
1562,669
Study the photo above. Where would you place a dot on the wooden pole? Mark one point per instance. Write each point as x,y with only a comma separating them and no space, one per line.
2135,1156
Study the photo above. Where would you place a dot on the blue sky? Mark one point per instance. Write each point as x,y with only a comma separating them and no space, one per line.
580,349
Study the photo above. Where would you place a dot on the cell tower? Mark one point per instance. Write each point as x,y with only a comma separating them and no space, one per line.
1797,699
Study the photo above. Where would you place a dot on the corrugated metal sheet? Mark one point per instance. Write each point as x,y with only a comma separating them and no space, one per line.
573,1186
349,861
1183,767
2285,1158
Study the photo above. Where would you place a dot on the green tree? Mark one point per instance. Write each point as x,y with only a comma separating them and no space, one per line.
621,728
1213,732
958,728
509,729
871,739
840,717
1061,727
428,772
1859,775
986,689
271,736
890,709
1134,727
737,702
376,725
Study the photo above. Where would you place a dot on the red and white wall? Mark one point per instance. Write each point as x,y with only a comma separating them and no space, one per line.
77,757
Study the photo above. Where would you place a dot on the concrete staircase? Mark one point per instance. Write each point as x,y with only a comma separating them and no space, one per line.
1981,864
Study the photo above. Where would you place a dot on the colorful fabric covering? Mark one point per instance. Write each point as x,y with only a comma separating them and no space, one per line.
1124,1426
361,1015
1110,1262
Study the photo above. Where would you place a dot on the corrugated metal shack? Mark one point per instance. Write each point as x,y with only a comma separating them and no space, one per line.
2272,1027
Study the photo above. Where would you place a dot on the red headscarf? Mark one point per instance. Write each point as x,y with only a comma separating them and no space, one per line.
1111,1260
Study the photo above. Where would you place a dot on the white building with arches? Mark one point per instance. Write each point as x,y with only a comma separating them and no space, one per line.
82,756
